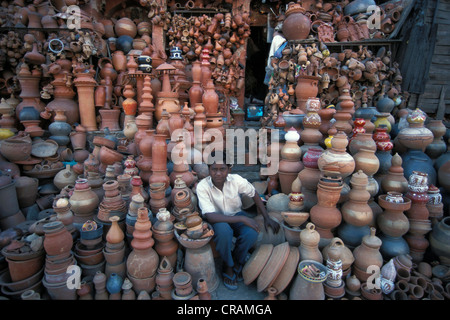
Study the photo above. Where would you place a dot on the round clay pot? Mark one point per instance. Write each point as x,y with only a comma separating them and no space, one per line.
57,239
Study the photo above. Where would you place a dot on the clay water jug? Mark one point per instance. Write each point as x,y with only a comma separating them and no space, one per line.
367,254
65,177
296,25
309,244
210,98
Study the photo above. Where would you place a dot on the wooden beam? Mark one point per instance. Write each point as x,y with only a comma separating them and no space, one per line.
441,106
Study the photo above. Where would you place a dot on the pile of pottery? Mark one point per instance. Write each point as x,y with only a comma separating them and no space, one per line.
163,233
183,288
272,266
137,201
196,33
164,279
143,261
89,249
112,202
25,259
328,75
58,243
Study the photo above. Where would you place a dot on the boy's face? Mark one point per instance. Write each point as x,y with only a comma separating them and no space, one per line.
219,173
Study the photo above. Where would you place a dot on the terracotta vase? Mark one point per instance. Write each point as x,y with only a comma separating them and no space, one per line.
58,240
143,261
119,61
210,99
159,152
85,84
356,210
437,147
324,214
195,93
307,87
29,94
309,244
345,254
337,154
416,136
367,254
296,25
83,200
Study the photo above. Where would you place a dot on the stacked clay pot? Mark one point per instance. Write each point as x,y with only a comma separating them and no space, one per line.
334,286
393,224
183,288
309,177
163,230
356,212
58,244
143,261
112,201
418,215
367,254
311,135
290,164
25,259
114,250
88,249
325,215
137,201
345,254
394,181
164,279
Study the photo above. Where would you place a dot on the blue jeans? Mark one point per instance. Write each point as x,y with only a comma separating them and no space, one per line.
223,238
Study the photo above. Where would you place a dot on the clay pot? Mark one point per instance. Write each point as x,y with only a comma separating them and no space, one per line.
438,243
16,148
309,239
367,254
125,27
83,201
392,221
58,240
143,254
296,25
210,98
27,191
65,177
345,254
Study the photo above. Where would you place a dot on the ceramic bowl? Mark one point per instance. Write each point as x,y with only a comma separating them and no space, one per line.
295,219
5,281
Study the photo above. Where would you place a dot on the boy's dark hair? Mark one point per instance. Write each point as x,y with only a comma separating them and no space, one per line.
218,154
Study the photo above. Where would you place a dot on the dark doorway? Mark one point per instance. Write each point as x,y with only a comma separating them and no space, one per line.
257,51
